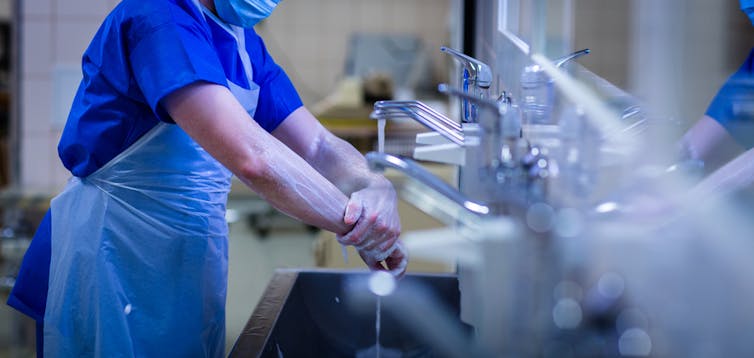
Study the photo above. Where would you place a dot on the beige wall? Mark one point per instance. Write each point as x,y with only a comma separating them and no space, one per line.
683,50
604,28
672,54
309,37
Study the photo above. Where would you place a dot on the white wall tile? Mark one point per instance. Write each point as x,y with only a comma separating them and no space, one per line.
71,39
58,173
36,46
35,162
82,8
36,7
111,4
6,9
35,107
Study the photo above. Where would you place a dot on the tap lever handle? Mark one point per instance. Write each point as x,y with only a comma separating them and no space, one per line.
479,70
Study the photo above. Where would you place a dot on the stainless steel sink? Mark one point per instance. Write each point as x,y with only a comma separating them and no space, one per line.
333,314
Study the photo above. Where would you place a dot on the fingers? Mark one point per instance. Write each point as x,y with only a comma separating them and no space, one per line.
395,259
397,262
385,230
373,232
373,264
357,236
354,209
376,229
373,239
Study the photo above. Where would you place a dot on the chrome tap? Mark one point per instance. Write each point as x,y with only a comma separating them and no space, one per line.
476,80
511,172
381,161
559,62
422,114
490,138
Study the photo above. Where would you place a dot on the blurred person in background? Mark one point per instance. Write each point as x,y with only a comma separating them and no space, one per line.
723,139
177,96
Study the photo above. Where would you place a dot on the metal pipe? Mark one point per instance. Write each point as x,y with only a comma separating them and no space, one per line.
382,161
417,105
429,118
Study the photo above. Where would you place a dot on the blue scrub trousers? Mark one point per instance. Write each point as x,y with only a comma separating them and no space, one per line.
29,293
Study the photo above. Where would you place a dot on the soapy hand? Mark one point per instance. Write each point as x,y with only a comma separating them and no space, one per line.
395,262
376,226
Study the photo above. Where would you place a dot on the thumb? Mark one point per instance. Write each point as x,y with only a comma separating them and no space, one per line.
353,211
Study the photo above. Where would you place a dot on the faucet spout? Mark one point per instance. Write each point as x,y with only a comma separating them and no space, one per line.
382,161
563,60
422,114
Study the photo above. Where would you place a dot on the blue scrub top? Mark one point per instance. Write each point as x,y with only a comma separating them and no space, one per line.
143,51
733,106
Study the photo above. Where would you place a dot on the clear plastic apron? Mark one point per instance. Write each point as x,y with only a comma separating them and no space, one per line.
139,250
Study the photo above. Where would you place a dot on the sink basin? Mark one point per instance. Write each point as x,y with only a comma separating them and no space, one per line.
332,314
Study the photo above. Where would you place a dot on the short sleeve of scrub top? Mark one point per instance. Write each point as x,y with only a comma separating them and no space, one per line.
733,106
277,95
167,56
143,51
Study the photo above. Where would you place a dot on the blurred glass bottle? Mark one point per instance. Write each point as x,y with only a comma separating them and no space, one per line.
537,97
537,92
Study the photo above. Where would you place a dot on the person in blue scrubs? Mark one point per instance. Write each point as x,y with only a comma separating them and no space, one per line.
178,96
723,139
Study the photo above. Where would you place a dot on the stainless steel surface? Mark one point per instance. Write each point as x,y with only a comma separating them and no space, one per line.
476,79
329,313
382,161
423,114
480,74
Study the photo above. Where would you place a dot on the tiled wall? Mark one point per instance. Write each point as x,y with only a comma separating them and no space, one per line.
307,37
54,34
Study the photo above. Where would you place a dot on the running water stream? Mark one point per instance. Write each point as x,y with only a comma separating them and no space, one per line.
381,135
381,284
377,325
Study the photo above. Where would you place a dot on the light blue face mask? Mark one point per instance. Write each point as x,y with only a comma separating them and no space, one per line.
747,6
244,13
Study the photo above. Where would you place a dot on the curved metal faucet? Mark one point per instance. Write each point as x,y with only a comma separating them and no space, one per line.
480,73
381,161
422,114
403,106
476,79
559,62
